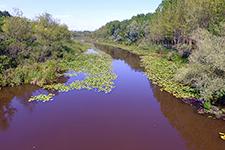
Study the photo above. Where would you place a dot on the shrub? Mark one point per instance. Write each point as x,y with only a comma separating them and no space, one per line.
206,71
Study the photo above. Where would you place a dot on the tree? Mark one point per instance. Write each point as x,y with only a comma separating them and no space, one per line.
48,30
50,36
5,14
17,28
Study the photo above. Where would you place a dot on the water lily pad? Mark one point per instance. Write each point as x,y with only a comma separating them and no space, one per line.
42,97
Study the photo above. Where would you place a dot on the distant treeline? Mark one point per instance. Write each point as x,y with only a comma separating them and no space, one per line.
5,14
173,23
127,31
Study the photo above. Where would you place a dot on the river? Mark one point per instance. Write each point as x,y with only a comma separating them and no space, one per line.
136,115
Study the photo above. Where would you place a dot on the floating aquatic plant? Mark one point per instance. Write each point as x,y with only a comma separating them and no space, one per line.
42,97
98,70
162,71
99,74
57,87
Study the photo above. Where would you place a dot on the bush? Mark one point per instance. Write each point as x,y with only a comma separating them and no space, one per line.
5,63
42,43
37,73
206,71
17,28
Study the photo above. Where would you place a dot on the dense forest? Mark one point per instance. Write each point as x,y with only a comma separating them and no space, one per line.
189,29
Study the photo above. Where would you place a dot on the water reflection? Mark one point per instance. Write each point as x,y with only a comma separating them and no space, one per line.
116,53
199,132
7,109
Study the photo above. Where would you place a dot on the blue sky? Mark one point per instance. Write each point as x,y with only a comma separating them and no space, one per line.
82,14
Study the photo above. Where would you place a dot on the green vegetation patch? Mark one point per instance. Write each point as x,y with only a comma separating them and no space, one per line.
98,70
206,69
161,71
42,97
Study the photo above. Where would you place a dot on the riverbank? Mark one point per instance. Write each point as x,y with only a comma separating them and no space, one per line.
41,73
161,66
33,51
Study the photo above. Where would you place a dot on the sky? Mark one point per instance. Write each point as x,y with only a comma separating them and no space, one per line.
82,15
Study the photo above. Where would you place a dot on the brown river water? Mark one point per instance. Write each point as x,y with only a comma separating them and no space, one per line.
136,115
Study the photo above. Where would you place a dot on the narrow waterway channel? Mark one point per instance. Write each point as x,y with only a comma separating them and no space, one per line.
136,115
